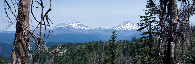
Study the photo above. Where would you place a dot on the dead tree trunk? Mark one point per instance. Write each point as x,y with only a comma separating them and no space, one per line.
21,42
172,32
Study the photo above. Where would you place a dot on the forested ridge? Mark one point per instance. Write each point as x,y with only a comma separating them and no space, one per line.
99,52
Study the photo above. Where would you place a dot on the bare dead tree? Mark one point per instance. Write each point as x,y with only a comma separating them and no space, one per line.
22,50
174,24
174,31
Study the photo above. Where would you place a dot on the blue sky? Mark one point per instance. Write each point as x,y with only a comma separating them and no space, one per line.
98,13
93,13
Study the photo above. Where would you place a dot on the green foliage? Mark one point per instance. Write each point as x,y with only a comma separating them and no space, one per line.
113,37
113,50
93,52
149,26
190,58
99,52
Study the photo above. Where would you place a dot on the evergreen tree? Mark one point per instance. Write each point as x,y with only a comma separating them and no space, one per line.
112,49
149,24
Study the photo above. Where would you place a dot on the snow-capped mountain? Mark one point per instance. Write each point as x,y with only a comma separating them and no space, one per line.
76,25
126,26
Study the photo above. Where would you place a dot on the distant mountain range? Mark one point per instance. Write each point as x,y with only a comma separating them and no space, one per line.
74,32
78,32
127,25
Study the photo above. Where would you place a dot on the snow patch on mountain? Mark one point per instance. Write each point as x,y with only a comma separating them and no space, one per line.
76,25
126,26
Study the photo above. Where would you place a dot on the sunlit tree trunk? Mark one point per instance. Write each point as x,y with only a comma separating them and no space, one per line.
19,52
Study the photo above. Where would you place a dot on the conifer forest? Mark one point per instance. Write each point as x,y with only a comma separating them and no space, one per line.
167,36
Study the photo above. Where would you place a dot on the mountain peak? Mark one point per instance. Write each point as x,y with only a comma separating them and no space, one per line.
76,25
127,25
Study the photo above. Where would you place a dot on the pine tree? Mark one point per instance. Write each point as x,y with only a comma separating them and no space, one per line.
149,24
112,49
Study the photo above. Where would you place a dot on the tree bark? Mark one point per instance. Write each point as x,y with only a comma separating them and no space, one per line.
172,32
19,52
